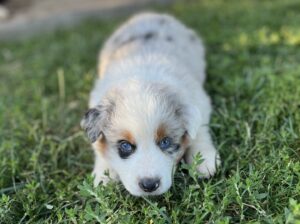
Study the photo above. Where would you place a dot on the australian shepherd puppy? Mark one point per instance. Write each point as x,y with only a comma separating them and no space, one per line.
148,109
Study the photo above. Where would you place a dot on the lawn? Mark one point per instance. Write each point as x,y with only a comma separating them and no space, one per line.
253,54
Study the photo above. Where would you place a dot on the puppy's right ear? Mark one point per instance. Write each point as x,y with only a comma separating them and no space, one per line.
91,123
97,119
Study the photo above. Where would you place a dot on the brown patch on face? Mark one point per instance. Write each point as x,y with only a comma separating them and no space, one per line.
126,135
180,157
160,133
184,145
101,144
185,141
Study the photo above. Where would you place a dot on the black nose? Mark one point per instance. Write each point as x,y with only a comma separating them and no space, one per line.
149,184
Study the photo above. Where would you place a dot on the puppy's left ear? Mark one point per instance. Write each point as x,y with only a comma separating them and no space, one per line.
188,112
193,120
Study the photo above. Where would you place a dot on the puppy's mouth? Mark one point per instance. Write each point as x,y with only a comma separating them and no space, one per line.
141,193
146,194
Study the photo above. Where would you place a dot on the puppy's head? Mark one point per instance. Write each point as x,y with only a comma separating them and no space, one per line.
142,131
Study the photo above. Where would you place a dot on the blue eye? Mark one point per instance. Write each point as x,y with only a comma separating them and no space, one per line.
125,149
165,143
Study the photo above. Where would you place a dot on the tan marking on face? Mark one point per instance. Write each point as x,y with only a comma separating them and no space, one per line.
160,133
185,141
184,146
127,135
101,144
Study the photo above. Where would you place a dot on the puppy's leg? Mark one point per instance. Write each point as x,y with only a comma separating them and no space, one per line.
102,172
203,145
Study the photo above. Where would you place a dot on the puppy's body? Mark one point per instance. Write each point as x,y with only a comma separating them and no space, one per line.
156,42
150,89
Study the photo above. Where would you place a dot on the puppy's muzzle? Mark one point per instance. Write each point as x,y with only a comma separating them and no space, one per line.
149,184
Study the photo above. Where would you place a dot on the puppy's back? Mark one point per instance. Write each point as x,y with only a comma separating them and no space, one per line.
149,34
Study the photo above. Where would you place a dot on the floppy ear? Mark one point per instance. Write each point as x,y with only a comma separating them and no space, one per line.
193,121
96,119
189,113
91,123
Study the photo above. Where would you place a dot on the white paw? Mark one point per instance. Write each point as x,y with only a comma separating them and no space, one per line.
210,159
100,179
209,165
103,178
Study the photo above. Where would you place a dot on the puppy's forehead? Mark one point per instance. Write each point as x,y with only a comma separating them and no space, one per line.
144,113
135,128
148,104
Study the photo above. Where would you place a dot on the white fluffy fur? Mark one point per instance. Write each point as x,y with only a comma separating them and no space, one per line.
173,57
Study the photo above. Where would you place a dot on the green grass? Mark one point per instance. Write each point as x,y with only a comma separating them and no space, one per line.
253,54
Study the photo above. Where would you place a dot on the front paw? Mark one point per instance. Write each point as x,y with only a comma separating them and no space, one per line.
103,177
210,161
209,165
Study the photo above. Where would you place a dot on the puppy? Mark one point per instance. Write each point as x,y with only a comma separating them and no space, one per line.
148,108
